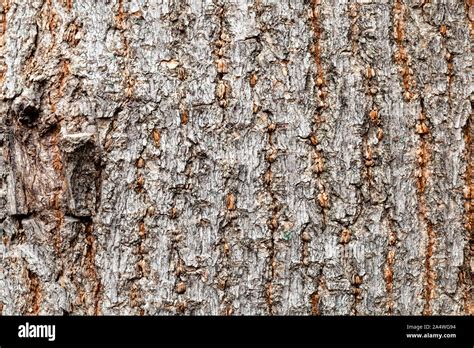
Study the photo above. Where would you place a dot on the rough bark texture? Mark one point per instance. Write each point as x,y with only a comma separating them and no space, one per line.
236,157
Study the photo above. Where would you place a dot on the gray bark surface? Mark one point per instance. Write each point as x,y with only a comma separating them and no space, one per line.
236,157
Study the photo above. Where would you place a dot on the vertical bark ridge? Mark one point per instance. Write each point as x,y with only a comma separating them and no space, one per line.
58,197
423,160
343,97
408,82
439,72
423,153
240,159
354,12
375,145
177,296
282,107
125,19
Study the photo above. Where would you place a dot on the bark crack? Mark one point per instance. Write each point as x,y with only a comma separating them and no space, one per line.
449,58
315,297
35,293
273,221
91,266
388,269
222,62
357,292
401,55
223,274
141,266
423,153
4,8
467,274
125,52
423,159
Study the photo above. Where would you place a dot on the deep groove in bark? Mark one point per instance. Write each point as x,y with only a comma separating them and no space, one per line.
315,297
388,268
318,165
3,30
221,45
401,55
356,292
225,250
91,266
125,53
467,274
273,221
35,293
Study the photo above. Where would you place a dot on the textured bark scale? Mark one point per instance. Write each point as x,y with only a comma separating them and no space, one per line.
230,157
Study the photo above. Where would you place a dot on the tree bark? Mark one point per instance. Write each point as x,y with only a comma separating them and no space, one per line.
236,157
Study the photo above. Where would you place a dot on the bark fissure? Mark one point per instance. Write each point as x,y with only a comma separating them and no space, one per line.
125,51
4,8
469,8
467,274
91,266
221,46
225,249
35,293
389,266
273,221
356,293
315,297
321,92
401,55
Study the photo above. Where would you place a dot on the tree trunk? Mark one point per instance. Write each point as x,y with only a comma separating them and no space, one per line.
236,157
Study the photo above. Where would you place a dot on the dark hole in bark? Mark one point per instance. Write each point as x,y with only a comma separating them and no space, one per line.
29,115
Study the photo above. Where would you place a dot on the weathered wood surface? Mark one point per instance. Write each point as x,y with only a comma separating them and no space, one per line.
236,157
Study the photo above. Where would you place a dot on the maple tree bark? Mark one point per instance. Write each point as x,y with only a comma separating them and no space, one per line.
236,157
